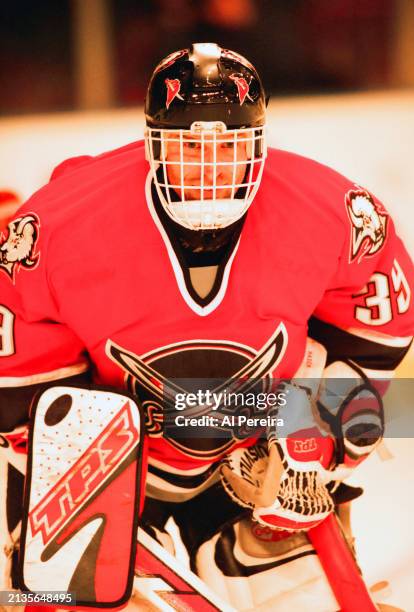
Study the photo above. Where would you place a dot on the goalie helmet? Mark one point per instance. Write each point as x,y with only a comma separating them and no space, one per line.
205,115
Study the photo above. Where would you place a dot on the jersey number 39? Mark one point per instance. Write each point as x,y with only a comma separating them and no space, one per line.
382,294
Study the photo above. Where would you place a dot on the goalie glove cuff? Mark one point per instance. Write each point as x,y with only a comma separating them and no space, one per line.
353,407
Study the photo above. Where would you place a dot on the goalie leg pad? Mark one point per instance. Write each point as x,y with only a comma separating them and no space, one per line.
83,481
255,567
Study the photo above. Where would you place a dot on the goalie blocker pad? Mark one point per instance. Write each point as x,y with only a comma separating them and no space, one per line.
82,494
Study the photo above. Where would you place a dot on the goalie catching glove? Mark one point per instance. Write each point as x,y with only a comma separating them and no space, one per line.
327,430
284,480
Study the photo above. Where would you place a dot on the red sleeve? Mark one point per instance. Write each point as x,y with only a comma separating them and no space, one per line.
36,347
371,291
73,163
32,349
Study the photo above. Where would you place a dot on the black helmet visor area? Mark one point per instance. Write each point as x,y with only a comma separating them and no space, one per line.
205,83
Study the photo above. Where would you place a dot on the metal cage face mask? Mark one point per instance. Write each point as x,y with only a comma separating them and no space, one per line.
206,177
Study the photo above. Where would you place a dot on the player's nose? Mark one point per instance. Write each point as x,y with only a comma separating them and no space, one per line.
209,161
209,153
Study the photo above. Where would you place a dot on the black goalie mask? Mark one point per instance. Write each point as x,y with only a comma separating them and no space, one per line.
205,115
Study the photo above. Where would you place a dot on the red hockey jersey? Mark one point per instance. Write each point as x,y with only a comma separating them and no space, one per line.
88,277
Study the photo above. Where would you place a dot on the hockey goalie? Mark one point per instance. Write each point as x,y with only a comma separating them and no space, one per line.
141,288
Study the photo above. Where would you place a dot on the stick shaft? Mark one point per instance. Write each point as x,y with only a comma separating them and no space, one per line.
340,567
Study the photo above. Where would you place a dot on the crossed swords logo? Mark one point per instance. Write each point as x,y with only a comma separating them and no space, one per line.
165,390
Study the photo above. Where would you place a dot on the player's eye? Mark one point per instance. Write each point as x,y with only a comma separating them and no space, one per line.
227,145
192,145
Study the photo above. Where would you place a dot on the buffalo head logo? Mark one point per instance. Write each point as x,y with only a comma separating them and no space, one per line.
369,224
19,248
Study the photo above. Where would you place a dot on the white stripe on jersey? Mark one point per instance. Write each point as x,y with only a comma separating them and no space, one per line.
43,377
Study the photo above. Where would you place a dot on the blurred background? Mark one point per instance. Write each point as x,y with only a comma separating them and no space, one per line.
340,73
78,54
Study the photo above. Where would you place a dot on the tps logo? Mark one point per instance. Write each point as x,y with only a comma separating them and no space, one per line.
86,476
242,88
173,91
305,446
368,224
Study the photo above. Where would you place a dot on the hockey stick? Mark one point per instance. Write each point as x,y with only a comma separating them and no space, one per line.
340,567
169,585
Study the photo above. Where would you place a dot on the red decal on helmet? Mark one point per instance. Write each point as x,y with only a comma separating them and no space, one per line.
242,87
173,90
